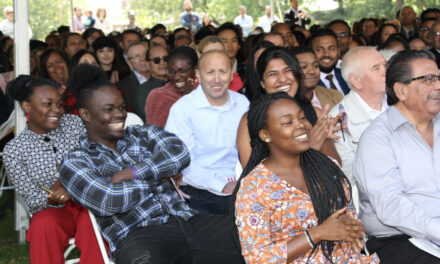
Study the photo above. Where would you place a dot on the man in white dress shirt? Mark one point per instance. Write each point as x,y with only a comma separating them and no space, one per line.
245,21
267,19
206,120
396,165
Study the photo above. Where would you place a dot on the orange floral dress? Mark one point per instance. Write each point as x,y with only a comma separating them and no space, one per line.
269,212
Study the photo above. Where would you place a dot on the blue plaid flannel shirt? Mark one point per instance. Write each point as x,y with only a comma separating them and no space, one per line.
119,208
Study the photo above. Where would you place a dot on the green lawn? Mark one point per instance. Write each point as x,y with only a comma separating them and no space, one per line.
10,250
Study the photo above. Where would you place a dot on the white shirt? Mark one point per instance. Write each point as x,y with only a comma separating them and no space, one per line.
141,79
7,28
209,133
359,117
398,176
245,22
327,82
266,22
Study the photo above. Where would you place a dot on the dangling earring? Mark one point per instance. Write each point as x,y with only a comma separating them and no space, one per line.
27,117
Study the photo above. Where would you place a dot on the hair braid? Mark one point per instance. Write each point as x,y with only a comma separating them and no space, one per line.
323,177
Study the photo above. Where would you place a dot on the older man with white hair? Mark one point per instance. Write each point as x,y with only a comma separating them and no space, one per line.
363,68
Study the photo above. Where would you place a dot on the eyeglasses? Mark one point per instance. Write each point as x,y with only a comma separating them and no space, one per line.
138,57
425,29
343,35
428,79
158,59
179,71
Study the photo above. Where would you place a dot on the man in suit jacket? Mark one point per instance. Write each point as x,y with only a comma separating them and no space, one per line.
364,68
127,37
140,73
325,45
319,96
407,18
294,15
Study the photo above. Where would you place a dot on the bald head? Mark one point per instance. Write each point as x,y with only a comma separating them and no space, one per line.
209,55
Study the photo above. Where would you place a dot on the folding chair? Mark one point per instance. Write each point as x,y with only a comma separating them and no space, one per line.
100,240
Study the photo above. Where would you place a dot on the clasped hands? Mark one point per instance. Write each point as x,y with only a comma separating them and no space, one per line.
325,128
342,227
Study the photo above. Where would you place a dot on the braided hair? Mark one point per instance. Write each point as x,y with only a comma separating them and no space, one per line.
325,181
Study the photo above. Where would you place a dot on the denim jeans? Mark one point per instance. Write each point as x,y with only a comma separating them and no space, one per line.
201,239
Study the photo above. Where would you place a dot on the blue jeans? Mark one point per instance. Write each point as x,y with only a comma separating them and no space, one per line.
207,202
201,239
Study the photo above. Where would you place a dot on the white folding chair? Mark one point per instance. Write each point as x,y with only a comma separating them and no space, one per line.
100,240
69,250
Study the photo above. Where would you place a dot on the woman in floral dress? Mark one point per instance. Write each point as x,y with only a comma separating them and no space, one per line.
293,204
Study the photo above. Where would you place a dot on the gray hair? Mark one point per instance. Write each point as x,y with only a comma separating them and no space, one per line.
351,64
400,70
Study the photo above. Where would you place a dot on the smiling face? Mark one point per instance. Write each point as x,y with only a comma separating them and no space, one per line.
278,76
215,75
422,98
45,108
310,69
179,70
105,115
57,69
327,52
287,129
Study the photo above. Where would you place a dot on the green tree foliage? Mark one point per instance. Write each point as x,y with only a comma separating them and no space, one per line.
45,16
355,10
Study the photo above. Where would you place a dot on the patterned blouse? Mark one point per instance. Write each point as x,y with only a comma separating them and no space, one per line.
31,160
270,211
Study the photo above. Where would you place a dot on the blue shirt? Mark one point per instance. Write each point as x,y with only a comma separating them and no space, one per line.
121,207
398,176
209,133
186,19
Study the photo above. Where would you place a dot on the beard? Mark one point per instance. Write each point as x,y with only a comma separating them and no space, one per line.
328,69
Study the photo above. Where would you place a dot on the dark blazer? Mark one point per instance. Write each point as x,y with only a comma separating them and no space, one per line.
290,19
129,86
340,80
414,33
122,66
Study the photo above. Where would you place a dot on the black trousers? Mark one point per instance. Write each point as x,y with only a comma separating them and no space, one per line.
207,202
398,250
201,239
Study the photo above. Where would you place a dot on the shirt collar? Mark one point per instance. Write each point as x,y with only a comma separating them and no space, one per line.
372,113
141,79
202,101
397,119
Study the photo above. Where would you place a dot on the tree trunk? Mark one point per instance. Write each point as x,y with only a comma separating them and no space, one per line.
421,4
340,5
280,12
399,5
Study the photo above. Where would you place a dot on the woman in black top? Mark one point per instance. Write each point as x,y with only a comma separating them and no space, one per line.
279,71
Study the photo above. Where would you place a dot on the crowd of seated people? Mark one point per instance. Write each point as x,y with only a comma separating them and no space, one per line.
297,145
